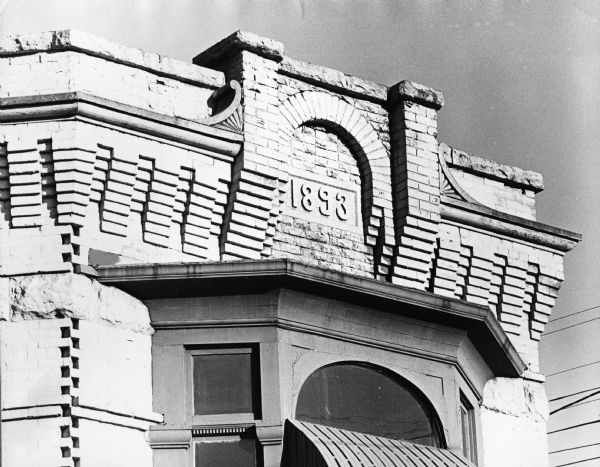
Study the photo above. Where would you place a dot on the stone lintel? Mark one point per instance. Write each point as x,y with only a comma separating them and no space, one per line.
510,175
334,80
66,40
415,92
236,42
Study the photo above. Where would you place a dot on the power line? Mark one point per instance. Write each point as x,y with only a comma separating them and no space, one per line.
579,462
571,369
573,314
573,394
573,448
573,426
571,326
581,399
587,402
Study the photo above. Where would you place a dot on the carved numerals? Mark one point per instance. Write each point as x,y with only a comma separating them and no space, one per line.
325,201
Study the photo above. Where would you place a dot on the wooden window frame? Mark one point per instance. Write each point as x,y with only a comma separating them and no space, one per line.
468,431
227,418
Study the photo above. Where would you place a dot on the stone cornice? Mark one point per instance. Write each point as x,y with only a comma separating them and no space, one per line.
334,80
161,280
81,105
234,43
510,175
485,218
77,41
415,92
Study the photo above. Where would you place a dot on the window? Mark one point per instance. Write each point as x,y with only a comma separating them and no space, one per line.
467,424
368,399
223,400
225,452
222,383
225,446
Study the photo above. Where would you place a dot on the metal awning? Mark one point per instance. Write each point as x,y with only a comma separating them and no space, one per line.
310,445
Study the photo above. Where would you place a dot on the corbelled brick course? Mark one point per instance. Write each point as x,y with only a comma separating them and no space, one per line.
101,194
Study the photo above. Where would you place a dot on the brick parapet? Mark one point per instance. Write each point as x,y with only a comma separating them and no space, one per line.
124,184
485,168
480,181
52,42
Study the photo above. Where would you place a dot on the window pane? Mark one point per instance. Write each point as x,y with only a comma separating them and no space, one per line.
235,453
359,398
467,422
464,423
222,384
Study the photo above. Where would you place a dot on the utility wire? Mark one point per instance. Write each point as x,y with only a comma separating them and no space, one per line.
588,401
573,394
573,426
571,326
571,369
581,399
573,314
574,447
579,462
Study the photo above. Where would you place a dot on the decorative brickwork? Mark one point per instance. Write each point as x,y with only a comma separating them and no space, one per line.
415,175
111,155
372,159
69,389
25,183
295,161
253,205
166,189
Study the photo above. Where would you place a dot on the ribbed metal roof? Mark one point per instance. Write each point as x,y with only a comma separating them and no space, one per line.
310,445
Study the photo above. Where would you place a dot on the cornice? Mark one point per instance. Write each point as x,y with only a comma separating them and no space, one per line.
149,281
479,216
81,42
219,141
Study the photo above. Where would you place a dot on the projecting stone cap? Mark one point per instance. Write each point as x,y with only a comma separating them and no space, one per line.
240,40
332,79
516,397
415,92
57,41
47,296
527,179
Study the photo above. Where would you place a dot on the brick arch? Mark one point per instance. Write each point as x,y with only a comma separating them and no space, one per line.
373,159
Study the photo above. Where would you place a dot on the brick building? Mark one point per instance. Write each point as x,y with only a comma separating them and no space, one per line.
252,260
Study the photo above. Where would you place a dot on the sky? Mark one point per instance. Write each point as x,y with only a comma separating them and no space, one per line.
521,81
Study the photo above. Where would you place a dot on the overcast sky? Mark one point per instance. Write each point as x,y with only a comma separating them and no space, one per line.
521,81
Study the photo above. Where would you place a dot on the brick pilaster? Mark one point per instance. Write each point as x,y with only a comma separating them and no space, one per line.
415,178
258,171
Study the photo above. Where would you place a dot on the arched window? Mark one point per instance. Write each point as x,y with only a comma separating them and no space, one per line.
368,399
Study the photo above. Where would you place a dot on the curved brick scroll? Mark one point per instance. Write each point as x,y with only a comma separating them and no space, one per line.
449,187
373,162
229,117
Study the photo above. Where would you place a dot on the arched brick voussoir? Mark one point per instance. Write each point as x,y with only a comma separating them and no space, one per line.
372,156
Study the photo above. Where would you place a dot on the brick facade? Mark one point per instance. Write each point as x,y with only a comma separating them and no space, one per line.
109,155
